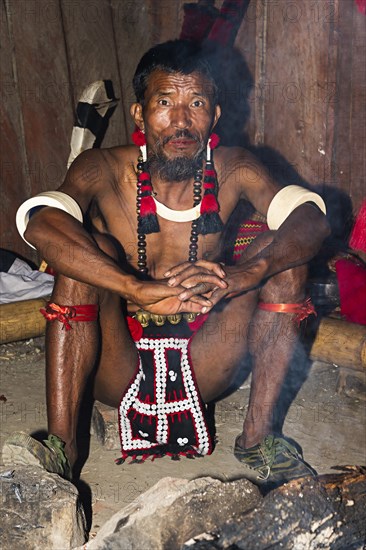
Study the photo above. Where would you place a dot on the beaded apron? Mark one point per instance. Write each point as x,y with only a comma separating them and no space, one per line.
161,412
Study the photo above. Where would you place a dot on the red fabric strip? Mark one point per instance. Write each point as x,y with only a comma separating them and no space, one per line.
302,310
67,314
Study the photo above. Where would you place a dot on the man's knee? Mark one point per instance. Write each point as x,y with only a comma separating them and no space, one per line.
67,291
286,286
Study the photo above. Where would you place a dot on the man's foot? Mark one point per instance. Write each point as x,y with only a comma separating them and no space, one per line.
273,461
21,448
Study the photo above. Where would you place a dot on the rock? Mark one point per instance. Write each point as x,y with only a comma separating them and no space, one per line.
39,510
173,511
352,383
105,426
304,514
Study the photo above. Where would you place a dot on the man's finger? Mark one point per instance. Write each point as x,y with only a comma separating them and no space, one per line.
212,266
177,269
209,266
199,289
210,283
190,271
189,278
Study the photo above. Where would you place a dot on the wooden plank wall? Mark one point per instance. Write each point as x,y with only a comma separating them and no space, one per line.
308,103
307,106
51,50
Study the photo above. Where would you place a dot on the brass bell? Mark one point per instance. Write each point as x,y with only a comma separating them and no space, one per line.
159,320
190,317
174,319
143,317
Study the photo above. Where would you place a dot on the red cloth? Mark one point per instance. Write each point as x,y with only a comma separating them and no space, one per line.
361,4
352,290
247,232
302,310
358,235
135,328
197,22
68,314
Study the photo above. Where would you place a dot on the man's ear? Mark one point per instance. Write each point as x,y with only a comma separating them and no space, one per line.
216,115
136,113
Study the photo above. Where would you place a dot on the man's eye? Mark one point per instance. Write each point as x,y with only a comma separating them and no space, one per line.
198,103
163,102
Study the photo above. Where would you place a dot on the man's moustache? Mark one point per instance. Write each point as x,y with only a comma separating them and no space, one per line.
179,135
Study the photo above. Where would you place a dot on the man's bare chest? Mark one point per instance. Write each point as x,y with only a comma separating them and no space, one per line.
165,249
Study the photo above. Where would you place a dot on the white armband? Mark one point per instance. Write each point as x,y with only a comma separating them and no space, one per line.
286,200
56,199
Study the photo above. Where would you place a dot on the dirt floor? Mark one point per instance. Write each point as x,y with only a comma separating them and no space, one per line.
329,427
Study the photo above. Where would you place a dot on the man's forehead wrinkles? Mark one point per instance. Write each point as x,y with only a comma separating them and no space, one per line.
160,80
186,89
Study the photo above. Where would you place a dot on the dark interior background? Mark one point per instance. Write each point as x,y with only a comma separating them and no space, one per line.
296,89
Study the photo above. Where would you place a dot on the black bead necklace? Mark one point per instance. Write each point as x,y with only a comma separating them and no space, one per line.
141,236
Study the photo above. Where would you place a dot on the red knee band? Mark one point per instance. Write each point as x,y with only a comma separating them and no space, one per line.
67,314
302,310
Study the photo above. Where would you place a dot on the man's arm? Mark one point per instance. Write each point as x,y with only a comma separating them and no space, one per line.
294,243
300,235
64,243
62,240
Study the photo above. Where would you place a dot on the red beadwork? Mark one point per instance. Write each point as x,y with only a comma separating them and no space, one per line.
138,137
214,141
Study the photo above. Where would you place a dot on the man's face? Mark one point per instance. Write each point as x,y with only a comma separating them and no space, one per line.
178,116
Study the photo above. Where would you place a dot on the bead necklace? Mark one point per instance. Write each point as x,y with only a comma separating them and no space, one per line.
141,235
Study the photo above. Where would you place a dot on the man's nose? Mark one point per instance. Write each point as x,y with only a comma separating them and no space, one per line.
181,117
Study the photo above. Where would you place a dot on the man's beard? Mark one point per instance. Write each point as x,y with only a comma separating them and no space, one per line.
179,168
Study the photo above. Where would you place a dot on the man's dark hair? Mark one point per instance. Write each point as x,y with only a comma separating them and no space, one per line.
175,56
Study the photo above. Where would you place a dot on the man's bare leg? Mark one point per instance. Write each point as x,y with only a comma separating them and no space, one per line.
217,350
102,349
221,344
72,356
272,340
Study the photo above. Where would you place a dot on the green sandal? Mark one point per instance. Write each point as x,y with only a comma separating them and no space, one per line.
273,461
21,448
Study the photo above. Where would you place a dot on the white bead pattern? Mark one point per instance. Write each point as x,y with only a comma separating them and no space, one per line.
161,408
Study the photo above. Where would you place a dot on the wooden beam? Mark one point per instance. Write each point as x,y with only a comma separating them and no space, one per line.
21,320
341,343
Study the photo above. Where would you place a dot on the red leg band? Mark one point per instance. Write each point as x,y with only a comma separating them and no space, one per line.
302,310
67,314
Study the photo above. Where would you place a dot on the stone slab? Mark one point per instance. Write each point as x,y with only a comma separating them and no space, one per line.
173,511
39,510
105,426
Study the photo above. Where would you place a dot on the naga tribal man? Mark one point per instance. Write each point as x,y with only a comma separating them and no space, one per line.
134,296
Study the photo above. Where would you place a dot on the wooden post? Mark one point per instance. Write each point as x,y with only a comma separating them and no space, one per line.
341,343
21,320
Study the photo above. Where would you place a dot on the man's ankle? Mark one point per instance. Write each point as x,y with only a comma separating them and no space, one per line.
248,440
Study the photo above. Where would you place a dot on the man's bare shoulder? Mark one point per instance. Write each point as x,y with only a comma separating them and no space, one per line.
241,172
233,158
122,154
95,166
